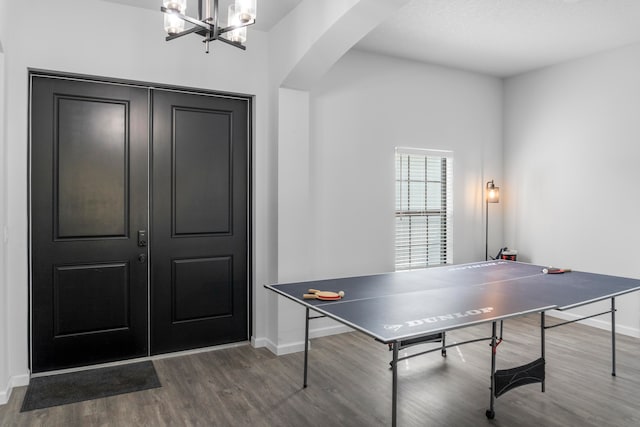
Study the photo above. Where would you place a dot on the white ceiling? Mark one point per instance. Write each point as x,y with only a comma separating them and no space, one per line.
497,37
505,37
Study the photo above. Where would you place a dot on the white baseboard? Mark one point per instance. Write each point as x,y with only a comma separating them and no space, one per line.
5,395
15,381
297,346
274,348
259,342
264,342
596,323
329,330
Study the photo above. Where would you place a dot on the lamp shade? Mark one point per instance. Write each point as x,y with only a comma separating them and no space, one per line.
239,35
493,193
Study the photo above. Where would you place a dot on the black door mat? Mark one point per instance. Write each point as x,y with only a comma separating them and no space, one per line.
61,389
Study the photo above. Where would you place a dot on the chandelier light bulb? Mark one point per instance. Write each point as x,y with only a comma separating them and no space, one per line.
176,5
246,10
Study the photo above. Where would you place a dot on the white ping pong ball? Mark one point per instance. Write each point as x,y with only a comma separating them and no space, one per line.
341,293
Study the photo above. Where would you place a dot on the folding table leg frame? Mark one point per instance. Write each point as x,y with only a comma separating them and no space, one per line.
490,413
613,337
306,343
542,329
612,310
504,380
306,346
396,346
394,386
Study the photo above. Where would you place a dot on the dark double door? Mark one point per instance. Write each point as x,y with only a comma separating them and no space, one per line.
139,235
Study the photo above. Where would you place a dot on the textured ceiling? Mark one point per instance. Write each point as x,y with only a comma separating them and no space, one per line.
505,37
497,37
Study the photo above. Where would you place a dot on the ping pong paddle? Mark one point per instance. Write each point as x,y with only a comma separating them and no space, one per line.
553,270
323,295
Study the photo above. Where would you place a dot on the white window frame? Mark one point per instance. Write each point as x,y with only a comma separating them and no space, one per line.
424,208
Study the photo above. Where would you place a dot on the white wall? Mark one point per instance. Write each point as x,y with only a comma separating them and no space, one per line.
572,145
4,373
105,39
365,107
5,387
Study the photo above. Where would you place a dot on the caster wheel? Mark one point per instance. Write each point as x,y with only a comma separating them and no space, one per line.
444,354
490,414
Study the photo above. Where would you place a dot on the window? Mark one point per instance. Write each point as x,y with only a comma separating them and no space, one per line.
424,208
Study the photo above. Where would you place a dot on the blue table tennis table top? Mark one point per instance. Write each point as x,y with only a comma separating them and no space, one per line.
410,304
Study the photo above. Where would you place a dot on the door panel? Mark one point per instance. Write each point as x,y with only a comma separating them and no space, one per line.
202,172
201,299
89,196
90,298
199,221
91,150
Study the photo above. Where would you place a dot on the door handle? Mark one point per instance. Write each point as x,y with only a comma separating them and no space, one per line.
142,258
142,238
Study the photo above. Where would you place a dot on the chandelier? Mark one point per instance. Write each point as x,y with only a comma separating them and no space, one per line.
240,14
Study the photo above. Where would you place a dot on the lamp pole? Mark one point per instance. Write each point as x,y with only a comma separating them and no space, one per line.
486,228
492,195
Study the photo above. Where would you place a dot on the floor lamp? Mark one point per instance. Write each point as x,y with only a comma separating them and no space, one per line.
492,195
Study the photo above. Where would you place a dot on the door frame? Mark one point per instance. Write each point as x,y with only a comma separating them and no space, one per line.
249,99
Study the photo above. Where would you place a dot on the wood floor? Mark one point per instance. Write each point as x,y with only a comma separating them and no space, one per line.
350,385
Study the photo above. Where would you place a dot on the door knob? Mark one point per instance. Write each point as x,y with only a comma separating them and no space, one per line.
142,258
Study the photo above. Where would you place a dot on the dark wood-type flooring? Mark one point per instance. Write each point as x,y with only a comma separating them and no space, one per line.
350,385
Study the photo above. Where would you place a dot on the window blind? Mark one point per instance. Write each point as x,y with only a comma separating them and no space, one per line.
424,208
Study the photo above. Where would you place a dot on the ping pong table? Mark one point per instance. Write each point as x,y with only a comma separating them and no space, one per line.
404,308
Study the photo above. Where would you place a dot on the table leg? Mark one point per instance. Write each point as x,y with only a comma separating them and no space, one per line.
542,339
394,386
443,351
490,412
613,337
306,346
